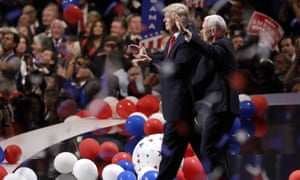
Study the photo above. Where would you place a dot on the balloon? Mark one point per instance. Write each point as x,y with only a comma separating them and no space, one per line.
12,153
13,176
67,108
139,114
153,126
238,81
236,126
72,13
133,99
126,175
158,116
125,107
247,110
143,171
234,149
1,155
126,165
193,169
135,125
111,171
100,109
148,104
189,151
261,126
3,172
108,150
150,175
179,175
89,148
295,175
112,102
131,143
244,97
121,156
248,126
85,169
261,105
83,113
64,162
147,152
65,3
27,173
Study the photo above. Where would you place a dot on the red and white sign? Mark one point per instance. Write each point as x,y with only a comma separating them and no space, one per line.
268,29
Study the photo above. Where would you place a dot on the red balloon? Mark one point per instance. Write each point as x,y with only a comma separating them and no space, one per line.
148,105
108,150
3,172
192,169
295,175
121,156
125,107
122,130
83,113
189,151
261,126
72,14
101,131
238,81
180,175
153,126
12,153
100,109
261,105
89,148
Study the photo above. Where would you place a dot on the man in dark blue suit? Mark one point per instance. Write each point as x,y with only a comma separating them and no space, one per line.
176,66
216,101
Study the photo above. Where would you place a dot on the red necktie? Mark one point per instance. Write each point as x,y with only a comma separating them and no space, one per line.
172,40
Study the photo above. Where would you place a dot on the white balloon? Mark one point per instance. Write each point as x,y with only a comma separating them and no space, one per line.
112,101
26,172
147,152
65,177
13,176
64,162
244,97
84,169
132,98
158,116
111,171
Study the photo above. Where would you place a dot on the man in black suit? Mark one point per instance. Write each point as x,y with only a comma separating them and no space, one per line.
216,101
176,65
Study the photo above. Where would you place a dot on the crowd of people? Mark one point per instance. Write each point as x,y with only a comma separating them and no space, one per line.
46,60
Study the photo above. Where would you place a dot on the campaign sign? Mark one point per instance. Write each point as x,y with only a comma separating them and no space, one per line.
268,29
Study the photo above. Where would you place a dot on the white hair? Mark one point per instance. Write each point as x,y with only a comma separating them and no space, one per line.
216,21
61,22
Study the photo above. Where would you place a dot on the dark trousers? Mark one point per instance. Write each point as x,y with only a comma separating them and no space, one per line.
207,135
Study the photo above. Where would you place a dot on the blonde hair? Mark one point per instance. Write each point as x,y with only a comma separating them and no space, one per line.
178,9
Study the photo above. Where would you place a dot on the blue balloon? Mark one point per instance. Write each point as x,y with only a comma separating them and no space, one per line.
150,175
65,3
135,125
127,165
14,14
248,126
131,143
2,156
247,109
236,126
234,149
126,175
